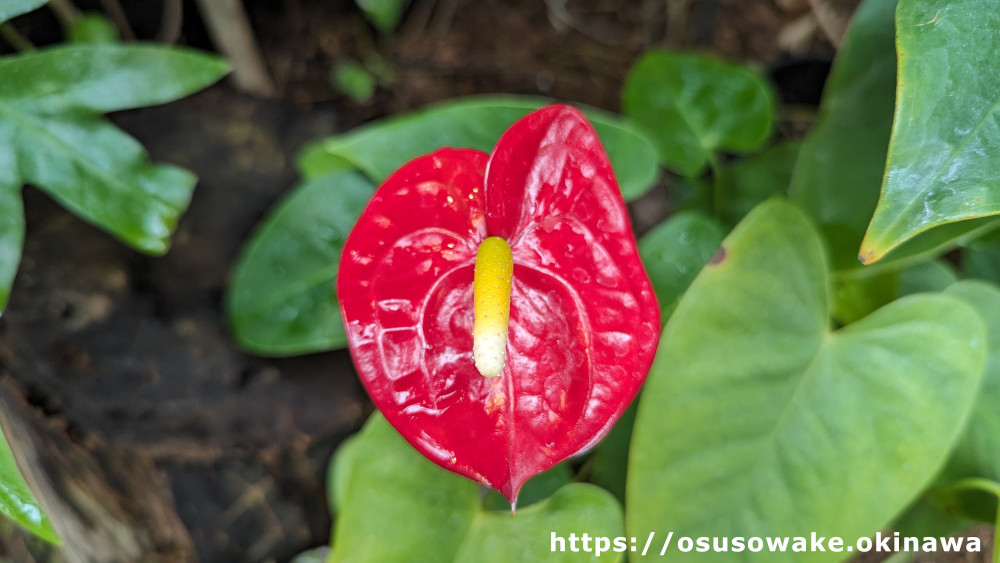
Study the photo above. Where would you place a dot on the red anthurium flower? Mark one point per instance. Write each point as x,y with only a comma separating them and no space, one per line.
495,305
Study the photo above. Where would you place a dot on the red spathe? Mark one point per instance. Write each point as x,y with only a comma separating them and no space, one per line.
584,321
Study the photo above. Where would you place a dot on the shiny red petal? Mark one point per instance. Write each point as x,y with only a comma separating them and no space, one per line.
583,325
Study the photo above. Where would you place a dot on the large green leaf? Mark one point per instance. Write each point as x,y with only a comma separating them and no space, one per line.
11,219
693,105
757,419
675,251
282,299
48,105
942,164
391,493
840,164
16,500
380,148
13,8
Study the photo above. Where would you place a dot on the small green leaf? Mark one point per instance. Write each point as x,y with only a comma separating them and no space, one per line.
13,8
380,148
757,419
741,186
675,251
282,298
353,80
695,105
93,28
11,220
384,14
387,505
941,165
16,500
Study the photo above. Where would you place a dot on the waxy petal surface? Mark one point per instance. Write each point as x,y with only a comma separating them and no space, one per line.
583,318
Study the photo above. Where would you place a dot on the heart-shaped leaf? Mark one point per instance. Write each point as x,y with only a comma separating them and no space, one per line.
583,317
385,508
282,297
380,148
693,105
941,165
759,420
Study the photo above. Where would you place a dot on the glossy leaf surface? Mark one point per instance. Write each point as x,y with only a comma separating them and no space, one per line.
386,507
49,101
583,317
13,8
757,419
675,251
16,500
942,164
694,105
282,299
380,148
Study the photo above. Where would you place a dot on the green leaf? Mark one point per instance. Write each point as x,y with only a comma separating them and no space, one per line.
11,220
93,28
741,186
16,500
384,14
694,105
282,299
941,165
13,8
352,79
380,148
840,164
930,276
609,464
95,79
48,102
675,251
537,489
387,506
758,420
978,451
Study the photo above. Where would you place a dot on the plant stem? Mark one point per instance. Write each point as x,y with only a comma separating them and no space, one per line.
114,9
14,38
65,11
987,486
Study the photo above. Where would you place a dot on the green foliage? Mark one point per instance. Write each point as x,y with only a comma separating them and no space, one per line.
712,457
282,297
53,138
382,147
353,80
795,389
93,28
384,14
385,507
16,500
942,164
675,251
693,106
13,8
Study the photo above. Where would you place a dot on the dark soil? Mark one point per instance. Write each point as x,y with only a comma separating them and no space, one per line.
140,405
